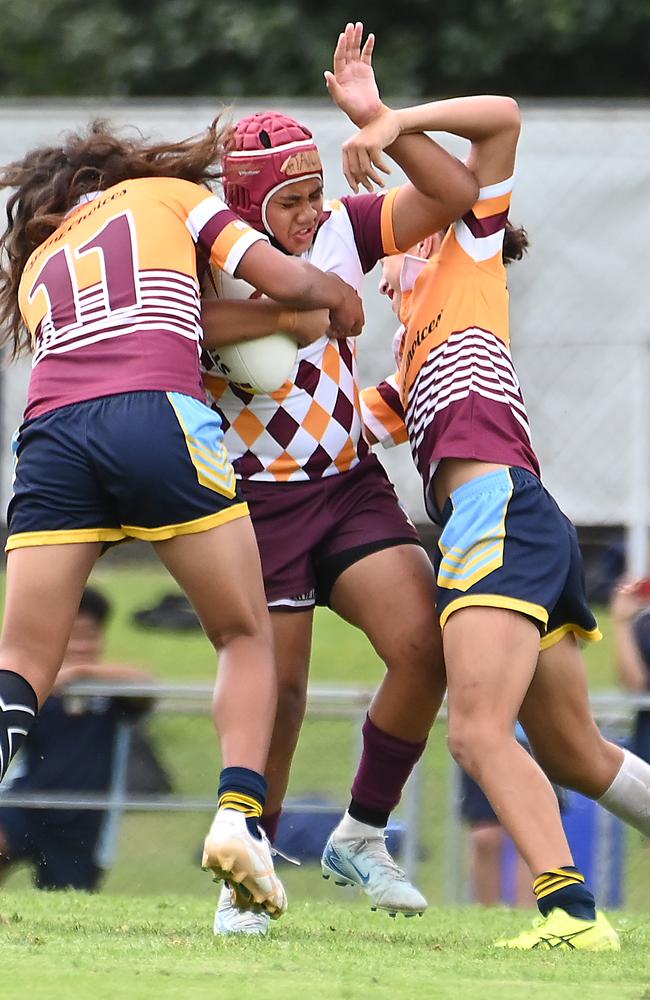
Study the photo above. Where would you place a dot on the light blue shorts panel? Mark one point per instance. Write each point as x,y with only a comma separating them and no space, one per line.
506,544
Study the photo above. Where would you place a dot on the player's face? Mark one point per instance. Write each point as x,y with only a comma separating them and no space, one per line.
293,214
391,268
86,640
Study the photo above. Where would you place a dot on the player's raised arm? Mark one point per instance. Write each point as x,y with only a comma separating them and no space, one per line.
441,189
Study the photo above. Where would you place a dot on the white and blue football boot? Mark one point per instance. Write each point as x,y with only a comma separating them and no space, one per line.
230,919
363,860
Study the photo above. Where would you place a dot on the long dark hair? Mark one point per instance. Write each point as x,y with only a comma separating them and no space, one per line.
50,180
515,243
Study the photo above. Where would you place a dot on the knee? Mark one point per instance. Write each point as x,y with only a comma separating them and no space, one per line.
245,625
471,742
292,700
416,650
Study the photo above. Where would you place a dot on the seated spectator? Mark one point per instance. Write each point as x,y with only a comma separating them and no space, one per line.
630,608
69,750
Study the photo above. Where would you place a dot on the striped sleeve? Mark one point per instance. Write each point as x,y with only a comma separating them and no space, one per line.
480,232
220,233
383,414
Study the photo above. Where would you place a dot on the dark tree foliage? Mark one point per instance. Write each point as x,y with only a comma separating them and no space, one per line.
597,48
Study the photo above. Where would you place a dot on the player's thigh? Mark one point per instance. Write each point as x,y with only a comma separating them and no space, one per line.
219,570
391,596
490,656
43,589
557,717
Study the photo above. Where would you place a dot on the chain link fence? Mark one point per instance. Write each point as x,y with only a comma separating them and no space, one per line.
580,326
151,842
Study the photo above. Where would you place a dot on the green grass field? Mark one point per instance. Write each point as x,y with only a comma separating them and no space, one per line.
148,934
65,945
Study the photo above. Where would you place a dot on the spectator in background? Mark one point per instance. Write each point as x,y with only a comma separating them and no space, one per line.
69,750
630,608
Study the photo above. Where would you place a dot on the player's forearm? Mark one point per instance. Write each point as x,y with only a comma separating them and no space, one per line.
297,283
228,322
300,285
435,173
474,118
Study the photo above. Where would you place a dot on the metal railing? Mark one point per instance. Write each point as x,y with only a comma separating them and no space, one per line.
609,709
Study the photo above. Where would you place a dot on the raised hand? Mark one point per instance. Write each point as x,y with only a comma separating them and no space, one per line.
362,153
352,85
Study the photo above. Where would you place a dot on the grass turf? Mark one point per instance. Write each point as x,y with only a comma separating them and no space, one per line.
59,945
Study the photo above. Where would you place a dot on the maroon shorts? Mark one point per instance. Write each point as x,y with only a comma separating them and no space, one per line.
309,533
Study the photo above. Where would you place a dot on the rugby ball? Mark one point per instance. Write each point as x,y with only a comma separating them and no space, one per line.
258,366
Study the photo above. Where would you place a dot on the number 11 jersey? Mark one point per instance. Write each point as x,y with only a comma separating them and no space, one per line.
112,299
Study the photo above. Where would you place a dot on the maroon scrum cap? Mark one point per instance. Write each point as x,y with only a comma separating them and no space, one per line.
265,152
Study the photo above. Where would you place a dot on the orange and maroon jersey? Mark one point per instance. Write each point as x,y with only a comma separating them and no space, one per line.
458,387
112,298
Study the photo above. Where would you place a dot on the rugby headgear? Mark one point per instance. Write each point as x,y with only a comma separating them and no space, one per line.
265,152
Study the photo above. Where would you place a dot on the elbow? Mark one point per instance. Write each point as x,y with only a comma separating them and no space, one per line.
510,118
511,113
467,195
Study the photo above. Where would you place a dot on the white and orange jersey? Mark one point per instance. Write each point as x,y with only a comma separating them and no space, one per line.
312,426
112,298
458,387
383,413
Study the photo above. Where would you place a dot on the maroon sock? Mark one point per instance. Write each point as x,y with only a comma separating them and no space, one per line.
385,765
270,823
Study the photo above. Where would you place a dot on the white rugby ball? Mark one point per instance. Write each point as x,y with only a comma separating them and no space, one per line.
258,366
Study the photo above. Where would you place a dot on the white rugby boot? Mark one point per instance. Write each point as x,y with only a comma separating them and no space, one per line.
362,859
233,855
229,919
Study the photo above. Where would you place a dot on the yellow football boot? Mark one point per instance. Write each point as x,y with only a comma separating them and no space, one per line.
560,930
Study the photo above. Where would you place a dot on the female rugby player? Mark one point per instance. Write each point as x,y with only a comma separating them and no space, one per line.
327,520
510,581
99,280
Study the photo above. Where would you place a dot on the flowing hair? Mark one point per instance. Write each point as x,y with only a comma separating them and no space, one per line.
50,180
515,243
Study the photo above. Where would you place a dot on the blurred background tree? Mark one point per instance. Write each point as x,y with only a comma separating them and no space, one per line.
163,48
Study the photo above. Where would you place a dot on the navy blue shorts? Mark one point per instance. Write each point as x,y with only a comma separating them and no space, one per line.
506,544
149,465
60,862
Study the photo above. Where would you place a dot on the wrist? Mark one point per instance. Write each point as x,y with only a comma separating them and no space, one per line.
370,116
288,320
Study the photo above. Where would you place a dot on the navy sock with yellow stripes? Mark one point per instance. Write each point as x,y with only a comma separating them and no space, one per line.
565,889
243,790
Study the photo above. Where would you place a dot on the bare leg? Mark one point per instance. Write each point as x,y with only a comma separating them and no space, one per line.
220,572
560,727
491,655
44,588
292,633
390,595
